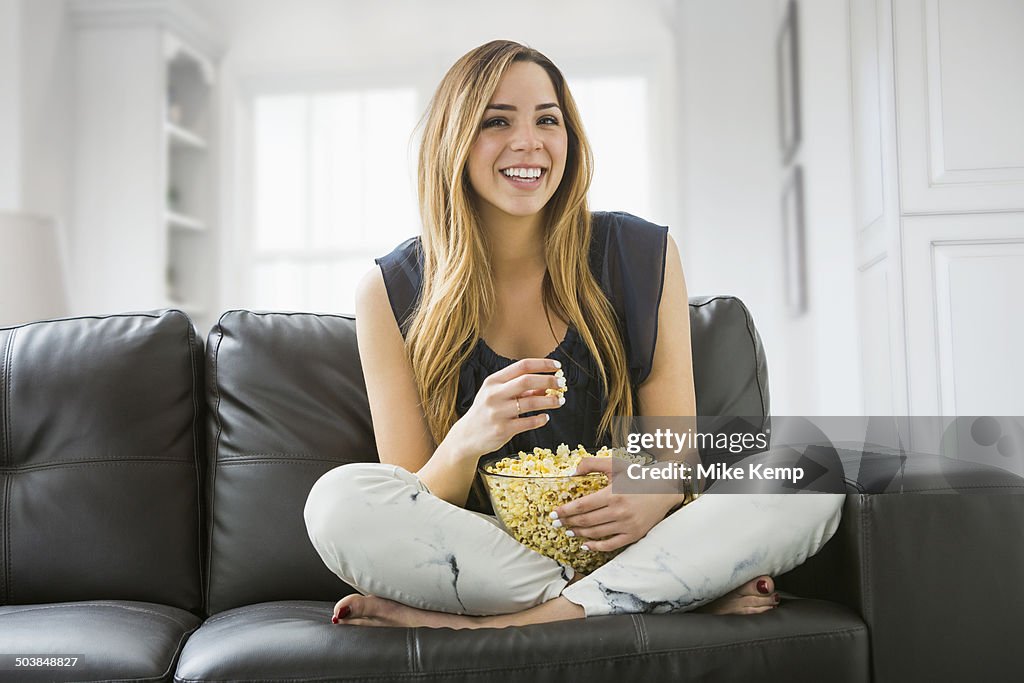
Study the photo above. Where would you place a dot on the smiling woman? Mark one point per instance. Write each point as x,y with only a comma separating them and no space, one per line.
518,159
513,265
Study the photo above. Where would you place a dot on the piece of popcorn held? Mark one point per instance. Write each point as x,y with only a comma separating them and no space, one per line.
562,388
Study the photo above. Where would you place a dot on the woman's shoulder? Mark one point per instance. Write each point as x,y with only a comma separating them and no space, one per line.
626,239
619,222
402,270
407,254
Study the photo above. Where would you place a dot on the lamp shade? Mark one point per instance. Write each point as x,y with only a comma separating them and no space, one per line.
31,269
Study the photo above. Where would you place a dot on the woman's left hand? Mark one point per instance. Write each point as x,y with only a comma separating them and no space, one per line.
619,519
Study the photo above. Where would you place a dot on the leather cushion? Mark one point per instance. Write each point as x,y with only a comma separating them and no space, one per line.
802,640
287,403
113,640
100,438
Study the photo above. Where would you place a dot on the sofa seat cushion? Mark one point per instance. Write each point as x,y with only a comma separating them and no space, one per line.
802,640
112,639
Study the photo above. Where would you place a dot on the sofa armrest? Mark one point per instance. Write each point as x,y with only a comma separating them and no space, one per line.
930,552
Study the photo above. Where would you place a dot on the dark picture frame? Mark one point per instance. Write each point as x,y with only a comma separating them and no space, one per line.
787,63
793,243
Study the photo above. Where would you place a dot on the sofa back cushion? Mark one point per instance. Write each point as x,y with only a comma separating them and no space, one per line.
730,373
287,402
100,436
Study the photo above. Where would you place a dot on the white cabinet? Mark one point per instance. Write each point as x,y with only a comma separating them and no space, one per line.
143,227
939,168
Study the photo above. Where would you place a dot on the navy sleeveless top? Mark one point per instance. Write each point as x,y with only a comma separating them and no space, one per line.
627,257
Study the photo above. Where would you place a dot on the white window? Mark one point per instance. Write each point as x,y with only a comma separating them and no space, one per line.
332,188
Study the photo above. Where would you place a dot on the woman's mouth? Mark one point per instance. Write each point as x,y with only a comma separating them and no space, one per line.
524,176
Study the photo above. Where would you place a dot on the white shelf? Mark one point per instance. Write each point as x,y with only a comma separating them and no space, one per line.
183,222
182,137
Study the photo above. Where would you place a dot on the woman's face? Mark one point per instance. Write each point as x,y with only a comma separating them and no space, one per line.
518,158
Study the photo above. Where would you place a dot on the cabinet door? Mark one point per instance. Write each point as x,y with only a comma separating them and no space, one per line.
959,71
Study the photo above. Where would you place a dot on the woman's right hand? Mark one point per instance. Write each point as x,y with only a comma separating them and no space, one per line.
494,418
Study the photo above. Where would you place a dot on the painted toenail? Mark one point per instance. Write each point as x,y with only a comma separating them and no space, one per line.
777,598
762,587
343,612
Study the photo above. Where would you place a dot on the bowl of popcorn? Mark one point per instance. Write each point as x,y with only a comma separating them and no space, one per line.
526,488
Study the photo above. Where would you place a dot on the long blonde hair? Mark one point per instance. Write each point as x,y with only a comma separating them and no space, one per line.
457,298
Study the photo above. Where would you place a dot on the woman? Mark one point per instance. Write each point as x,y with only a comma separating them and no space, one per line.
510,265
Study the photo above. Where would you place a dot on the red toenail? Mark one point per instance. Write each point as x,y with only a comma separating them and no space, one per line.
762,587
343,612
334,620
777,598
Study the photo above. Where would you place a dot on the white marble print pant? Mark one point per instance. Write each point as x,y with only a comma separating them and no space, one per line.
379,528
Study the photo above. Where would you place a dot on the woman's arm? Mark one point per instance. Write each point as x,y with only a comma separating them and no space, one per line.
668,390
399,426
399,423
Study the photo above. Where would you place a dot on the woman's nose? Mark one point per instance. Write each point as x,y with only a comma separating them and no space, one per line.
525,139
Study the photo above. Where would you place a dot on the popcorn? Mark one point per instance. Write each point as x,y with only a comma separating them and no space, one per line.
560,391
526,489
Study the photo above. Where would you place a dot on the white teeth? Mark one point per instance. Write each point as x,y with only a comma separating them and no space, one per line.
522,172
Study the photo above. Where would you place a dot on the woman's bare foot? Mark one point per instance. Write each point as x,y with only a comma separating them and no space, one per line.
747,599
371,610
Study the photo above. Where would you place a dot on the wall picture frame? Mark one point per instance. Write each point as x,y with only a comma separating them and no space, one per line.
794,243
787,63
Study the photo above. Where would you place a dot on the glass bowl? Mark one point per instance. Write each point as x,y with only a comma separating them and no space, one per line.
524,489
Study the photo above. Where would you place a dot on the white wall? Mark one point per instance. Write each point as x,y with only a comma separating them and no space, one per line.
35,107
48,91
10,104
733,180
831,250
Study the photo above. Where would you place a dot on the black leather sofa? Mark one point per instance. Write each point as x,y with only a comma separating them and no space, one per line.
152,529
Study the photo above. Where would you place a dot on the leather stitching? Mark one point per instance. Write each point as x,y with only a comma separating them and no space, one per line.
5,374
64,606
197,455
5,447
212,451
307,462
115,462
641,632
173,664
242,612
412,648
867,604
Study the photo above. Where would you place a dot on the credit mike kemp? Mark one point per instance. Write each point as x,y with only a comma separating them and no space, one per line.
683,471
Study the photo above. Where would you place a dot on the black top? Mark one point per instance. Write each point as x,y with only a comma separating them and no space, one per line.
627,256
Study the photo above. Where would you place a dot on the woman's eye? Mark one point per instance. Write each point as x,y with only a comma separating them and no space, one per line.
548,120
495,123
